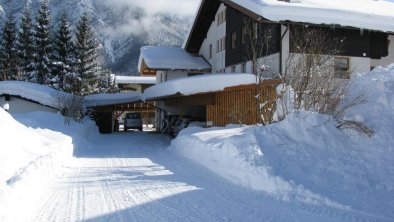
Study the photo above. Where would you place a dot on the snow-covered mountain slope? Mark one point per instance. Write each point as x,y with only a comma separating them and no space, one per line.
122,26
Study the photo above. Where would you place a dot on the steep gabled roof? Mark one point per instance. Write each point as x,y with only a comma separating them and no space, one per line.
205,15
362,14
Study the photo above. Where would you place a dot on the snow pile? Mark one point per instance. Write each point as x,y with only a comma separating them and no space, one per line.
106,99
31,91
306,158
332,12
27,161
198,84
171,58
30,158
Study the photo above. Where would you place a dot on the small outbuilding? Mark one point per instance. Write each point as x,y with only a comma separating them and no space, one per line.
23,97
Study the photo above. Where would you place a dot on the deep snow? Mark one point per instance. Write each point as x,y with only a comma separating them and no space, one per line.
305,158
133,177
300,169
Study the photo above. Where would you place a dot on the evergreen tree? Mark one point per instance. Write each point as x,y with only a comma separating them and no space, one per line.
26,46
87,69
8,53
63,56
43,45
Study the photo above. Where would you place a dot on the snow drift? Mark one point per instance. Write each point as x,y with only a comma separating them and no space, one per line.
306,158
30,158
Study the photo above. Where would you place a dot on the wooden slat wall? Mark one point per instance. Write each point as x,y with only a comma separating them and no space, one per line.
240,104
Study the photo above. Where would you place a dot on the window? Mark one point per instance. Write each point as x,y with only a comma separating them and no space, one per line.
217,46
244,34
254,31
233,40
243,67
221,17
233,69
210,51
224,43
342,66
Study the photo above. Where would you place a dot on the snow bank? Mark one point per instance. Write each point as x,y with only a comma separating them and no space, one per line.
306,158
198,84
364,14
27,161
31,91
31,156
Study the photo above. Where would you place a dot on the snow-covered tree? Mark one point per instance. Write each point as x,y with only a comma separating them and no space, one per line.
25,45
87,69
8,53
43,45
63,59
106,82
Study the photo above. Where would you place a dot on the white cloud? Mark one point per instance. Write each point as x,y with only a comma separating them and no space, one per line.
148,23
177,7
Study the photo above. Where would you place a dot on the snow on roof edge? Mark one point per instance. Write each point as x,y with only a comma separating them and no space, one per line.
41,94
135,80
205,83
307,11
172,58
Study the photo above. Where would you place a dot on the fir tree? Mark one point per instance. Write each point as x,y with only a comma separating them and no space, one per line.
26,45
8,53
43,45
63,56
86,54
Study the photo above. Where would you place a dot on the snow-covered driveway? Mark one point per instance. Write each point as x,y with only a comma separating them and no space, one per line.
133,177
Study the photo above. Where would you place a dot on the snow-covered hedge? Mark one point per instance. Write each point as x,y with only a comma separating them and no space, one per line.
305,157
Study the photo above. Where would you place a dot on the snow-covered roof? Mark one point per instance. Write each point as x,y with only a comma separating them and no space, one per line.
111,99
363,14
171,58
38,93
135,80
198,84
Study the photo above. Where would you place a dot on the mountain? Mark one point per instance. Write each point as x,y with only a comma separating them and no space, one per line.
122,27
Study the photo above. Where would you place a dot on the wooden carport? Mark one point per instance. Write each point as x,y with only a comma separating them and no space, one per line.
106,116
232,105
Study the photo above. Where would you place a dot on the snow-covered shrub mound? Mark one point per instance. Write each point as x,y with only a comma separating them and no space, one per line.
306,158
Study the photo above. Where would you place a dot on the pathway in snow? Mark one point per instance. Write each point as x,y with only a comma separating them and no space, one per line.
133,177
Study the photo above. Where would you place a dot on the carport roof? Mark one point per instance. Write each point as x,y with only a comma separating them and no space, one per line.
197,84
112,99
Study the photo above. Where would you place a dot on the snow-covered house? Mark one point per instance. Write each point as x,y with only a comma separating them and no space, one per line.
218,40
23,97
365,26
168,63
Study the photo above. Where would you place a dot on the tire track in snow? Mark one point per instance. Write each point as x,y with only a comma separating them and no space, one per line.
114,187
